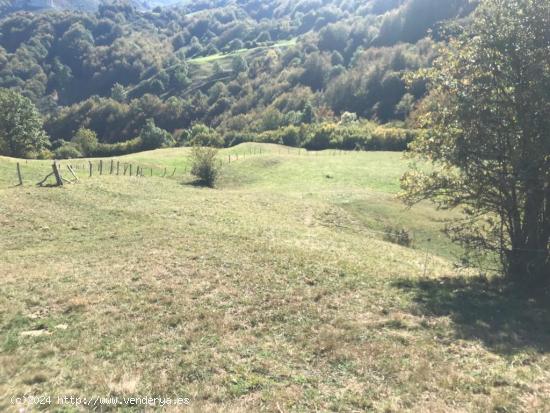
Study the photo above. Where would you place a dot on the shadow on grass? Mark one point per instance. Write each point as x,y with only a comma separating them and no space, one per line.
504,319
197,184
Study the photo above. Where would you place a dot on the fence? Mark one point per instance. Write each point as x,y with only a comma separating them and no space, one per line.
114,167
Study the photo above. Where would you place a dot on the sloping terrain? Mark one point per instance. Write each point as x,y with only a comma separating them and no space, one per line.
272,292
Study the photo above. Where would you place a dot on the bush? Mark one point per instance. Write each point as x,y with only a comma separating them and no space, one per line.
320,137
117,149
398,236
390,139
85,141
204,165
67,151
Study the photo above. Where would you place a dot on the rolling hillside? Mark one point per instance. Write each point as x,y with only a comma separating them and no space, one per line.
277,291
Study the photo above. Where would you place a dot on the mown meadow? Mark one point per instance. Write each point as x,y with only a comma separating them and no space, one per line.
277,291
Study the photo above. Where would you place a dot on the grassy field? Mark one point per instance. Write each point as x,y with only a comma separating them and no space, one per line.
277,291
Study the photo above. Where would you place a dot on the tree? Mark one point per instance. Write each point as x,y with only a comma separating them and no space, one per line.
202,135
239,65
236,44
405,105
153,137
118,93
21,127
308,115
489,136
85,141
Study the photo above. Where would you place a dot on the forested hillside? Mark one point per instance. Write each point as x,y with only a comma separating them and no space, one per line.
242,68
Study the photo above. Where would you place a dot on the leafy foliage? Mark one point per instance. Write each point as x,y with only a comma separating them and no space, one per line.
488,122
21,131
204,165
112,66
153,137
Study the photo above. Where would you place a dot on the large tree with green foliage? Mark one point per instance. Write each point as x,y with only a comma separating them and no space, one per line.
21,131
153,137
488,136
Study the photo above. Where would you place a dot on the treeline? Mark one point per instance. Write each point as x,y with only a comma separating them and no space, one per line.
348,134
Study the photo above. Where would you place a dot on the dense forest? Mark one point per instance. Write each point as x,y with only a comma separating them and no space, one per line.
316,73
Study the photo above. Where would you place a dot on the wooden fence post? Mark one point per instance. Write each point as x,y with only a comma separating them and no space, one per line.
164,174
112,167
70,168
173,173
91,168
57,175
19,174
117,167
130,169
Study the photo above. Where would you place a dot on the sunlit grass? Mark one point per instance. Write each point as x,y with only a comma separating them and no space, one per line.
272,292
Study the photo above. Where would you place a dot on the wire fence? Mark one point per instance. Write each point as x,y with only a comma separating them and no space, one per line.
76,169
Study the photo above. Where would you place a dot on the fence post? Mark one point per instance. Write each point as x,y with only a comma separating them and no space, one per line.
117,167
130,169
91,168
173,173
19,174
101,166
112,167
151,171
70,168
57,175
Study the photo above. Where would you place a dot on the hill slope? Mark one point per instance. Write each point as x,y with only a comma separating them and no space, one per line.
339,56
272,292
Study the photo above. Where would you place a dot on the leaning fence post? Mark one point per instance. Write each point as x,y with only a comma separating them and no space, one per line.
57,175
70,168
19,174
173,173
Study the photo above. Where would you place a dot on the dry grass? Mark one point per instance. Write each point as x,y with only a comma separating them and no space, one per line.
271,293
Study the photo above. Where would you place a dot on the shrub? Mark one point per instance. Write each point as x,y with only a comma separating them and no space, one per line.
390,139
85,141
204,165
67,151
320,136
398,236
119,148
